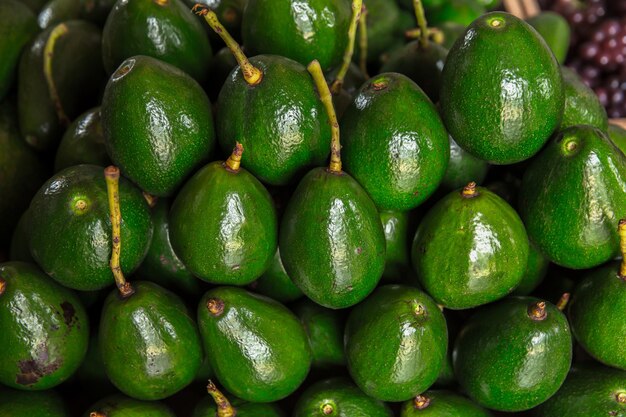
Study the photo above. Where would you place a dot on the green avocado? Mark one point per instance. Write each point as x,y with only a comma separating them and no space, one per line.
163,29
555,31
463,168
281,121
150,345
121,406
572,195
589,391
58,11
396,322
332,240
501,106
536,270
394,143
223,225
252,357
302,31
463,12
31,404
82,143
582,106
17,27
71,228
397,260
513,355
470,249
338,397
44,329
157,124
617,134
275,283
442,404
206,408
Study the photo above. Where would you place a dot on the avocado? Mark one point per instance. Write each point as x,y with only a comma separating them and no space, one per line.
397,260
275,283
396,322
536,270
442,404
229,12
58,11
524,90
338,397
161,29
463,168
514,354
121,406
555,31
150,344
572,196
617,134
157,144
15,403
470,249
250,357
71,228
582,106
44,329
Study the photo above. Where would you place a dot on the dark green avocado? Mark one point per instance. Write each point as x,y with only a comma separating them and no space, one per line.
463,168
121,406
275,283
157,124
397,260
229,13
536,270
96,11
442,404
555,31
501,106
582,106
31,404
513,355
20,241
44,329
58,11
396,322
617,134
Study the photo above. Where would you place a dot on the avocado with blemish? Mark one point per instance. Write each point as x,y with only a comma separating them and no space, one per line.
149,342
121,406
397,260
58,11
396,322
71,228
156,143
572,196
582,106
525,90
463,168
442,404
275,283
536,270
513,355
206,408
555,31
44,329
31,404
338,397
250,357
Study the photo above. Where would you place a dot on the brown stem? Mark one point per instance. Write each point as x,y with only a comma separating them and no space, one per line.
150,199
215,306
562,303
3,286
224,408
48,53
621,231
357,6
363,41
469,190
421,402
328,409
234,160
97,414
537,311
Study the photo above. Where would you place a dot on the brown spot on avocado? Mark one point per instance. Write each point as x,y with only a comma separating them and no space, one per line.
69,313
32,370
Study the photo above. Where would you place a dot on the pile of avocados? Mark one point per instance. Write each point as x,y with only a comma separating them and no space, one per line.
305,208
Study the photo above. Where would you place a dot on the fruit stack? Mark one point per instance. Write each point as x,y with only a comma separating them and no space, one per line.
356,214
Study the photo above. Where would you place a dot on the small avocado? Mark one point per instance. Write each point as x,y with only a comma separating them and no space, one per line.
44,329
463,168
58,11
396,322
470,249
500,106
513,355
617,134
31,404
71,228
275,283
338,397
150,344
536,270
582,106
572,196
397,260
250,357
555,31
442,404
156,143
121,406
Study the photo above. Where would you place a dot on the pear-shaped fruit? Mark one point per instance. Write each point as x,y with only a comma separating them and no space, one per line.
31,404
442,404
122,406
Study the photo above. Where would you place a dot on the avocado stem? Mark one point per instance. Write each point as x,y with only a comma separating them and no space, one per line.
621,231
363,41
469,191
327,409
421,22
97,414
335,145
215,306
357,6
421,402
112,177
251,74
3,286
433,33
224,408
48,53
234,160
537,311
620,397
150,199
562,303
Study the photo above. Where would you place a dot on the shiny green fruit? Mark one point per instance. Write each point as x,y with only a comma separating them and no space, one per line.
617,134
442,404
582,106
122,406
58,11
31,404
397,260
275,283
536,270
463,168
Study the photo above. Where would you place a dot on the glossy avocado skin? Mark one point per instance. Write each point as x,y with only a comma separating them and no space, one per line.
275,283
82,143
571,200
32,404
280,122
165,30
397,259
536,270
582,106
58,11
524,90
223,225
121,406
555,31
385,327
316,29
332,241
73,245
588,391
17,27
394,143
470,251
150,345
444,404
206,408
507,361
594,313
157,124
44,329
246,326
463,168
345,398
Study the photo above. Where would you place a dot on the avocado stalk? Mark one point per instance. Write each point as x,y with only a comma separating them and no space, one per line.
215,306
621,231
97,414
150,199
315,70
357,6
251,74
224,408
421,402
562,303
537,311
363,41
423,32
328,409
112,177
469,191
620,397
48,53
234,160
3,286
